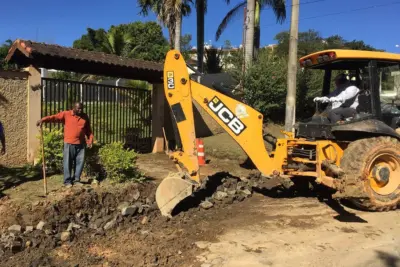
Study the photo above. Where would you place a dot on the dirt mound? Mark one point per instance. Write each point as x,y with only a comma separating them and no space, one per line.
121,227
45,226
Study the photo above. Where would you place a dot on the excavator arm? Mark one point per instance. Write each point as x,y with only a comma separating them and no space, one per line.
243,123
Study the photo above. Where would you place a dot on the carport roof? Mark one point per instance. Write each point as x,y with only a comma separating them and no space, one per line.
49,56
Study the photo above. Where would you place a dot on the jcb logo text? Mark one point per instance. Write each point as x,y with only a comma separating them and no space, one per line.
170,80
230,120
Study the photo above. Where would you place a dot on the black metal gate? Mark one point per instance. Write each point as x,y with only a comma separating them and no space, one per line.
116,113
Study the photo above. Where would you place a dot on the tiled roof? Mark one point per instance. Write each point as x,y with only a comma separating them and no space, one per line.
42,54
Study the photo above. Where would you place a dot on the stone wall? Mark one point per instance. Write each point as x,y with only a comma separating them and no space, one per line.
13,115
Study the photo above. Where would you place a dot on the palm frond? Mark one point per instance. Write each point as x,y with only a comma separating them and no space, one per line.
228,18
278,7
133,51
146,5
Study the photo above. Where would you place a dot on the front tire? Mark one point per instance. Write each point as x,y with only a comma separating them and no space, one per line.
372,168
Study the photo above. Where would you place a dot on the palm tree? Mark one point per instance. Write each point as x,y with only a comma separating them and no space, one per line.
249,41
201,10
278,7
116,41
169,13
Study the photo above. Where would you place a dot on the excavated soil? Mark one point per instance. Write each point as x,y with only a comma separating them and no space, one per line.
87,227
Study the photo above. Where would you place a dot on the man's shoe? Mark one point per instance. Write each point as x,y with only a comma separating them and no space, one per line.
68,185
78,184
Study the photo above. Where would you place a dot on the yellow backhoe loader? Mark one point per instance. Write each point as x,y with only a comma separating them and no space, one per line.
358,158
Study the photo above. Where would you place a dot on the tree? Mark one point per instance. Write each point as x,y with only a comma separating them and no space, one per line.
169,13
134,40
213,60
278,7
3,53
201,10
308,42
311,41
359,45
186,47
249,41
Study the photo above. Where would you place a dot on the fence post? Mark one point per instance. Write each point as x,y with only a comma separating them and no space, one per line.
34,112
157,122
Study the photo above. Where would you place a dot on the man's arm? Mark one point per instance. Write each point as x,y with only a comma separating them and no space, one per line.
59,117
347,94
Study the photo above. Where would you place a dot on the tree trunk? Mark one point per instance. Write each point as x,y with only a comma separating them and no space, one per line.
200,34
257,30
171,34
178,28
249,45
290,116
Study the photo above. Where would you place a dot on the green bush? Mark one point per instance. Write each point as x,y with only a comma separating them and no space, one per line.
118,163
53,150
92,167
265,86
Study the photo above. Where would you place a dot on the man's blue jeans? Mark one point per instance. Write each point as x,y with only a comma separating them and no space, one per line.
74,155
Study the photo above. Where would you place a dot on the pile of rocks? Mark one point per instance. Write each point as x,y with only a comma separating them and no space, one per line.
231,190
60,228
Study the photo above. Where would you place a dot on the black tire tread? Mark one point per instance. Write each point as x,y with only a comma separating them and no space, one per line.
352,164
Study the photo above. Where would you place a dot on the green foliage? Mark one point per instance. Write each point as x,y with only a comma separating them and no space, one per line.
110,160
140,40
186,47
312,41
119,163
53,150
139,84
167,12
265,82
265,85
3,53
66,75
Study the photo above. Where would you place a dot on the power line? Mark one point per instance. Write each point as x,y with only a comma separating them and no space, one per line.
344,12
300,4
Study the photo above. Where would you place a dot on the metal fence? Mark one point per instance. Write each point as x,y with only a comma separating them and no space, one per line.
116,113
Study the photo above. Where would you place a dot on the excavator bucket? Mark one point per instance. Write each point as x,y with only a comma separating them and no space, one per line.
172,190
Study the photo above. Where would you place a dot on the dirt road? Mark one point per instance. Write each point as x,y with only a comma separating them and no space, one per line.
261,230
305,232
299,232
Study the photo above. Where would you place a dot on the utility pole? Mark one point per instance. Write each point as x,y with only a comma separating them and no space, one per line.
290,115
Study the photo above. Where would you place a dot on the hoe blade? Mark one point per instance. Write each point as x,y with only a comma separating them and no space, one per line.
172,190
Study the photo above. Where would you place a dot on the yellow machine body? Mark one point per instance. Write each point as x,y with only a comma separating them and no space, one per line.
244,125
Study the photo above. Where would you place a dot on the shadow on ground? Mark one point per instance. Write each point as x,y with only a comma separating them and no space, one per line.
388,259
12,177
197,197
272,190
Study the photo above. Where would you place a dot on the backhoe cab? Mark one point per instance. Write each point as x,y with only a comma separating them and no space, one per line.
377,77
358,158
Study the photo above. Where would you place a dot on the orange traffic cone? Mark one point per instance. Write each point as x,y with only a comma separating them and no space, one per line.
200,152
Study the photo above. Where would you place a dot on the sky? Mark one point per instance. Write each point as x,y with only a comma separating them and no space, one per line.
61,22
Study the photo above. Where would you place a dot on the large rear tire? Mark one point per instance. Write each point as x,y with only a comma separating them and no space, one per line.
372,168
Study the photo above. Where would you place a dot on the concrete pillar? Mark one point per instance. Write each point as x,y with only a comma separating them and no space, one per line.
34,111
158,103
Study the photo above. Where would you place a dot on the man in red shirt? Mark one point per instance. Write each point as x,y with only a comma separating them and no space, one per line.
76,128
